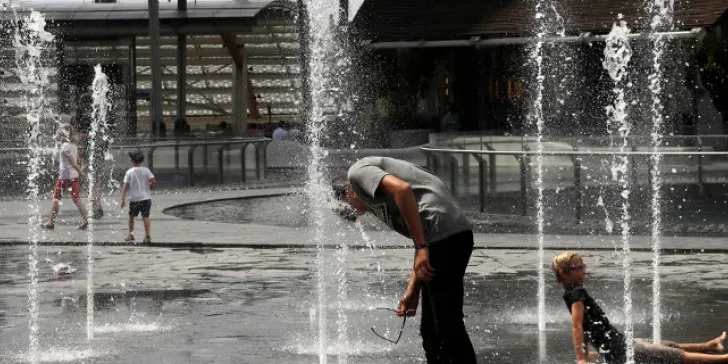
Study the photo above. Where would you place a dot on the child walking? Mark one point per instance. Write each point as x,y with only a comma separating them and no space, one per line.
589,325
137,182
69,171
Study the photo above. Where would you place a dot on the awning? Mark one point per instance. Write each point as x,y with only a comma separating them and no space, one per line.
77,18
415,20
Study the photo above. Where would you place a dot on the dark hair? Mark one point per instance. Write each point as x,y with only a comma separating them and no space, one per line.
340,185
136,156
346,212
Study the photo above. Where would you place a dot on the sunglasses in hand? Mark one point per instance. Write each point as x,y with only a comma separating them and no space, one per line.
399,335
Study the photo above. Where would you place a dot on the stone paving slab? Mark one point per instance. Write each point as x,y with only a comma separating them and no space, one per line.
172,231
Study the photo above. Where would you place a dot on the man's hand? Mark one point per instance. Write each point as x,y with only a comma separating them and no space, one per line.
423,269
408,303
584,361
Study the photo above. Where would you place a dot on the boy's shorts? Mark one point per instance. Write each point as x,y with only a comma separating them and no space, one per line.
143,206
64,185
664,353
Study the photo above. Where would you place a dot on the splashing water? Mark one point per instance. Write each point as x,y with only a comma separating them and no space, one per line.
100,109
341,317
30,39
662,20
548,21
537,118
617,54
322,16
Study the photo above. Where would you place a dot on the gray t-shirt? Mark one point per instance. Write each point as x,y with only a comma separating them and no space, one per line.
440,214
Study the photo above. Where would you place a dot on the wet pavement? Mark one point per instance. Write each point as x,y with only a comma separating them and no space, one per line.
164,305
214,292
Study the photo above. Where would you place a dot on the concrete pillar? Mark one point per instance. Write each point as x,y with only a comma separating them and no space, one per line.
155,104
240,97
131,127
482,81
182,76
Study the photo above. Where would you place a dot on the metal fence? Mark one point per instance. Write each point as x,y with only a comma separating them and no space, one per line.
186,161
486,172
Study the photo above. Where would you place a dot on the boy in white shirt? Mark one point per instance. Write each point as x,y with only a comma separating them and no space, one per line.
69,171
137,182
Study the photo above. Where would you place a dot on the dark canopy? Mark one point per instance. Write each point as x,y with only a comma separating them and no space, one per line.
398,20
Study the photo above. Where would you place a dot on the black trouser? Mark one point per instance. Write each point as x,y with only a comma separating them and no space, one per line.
443,331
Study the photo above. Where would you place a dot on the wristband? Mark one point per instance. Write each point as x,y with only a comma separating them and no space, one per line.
418,247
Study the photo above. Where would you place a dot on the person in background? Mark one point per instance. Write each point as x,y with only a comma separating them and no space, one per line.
280,132
451,120
68,174
138,181
294,134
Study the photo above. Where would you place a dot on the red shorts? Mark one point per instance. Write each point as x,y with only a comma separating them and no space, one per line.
64,185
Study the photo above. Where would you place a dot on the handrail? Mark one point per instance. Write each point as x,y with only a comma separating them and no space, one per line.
554,153
223,145
162,145
524,157
468,139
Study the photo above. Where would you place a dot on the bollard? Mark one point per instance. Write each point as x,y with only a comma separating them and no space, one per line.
257,161
466,170
243,147
264,163
204,158
191,166
579,209
701,187
220,161
524,186
176,157
491,173
482,166
454,175
633,177
150,158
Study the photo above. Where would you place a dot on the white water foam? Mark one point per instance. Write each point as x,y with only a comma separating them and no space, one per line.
322,17
132,327
58,355
30,40
617,54
661,12
311,346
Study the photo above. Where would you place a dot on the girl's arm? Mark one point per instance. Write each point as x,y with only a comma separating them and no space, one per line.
577,332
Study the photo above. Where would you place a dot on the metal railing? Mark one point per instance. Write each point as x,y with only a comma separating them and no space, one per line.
201,156
447,164
469,140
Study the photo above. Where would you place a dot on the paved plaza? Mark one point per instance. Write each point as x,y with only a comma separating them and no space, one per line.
170,231
210,292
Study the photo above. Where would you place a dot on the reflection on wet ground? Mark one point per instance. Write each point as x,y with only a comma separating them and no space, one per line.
258,305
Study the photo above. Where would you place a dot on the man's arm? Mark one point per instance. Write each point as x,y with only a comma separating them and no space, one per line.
404,197
577,332
152,182
408,303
